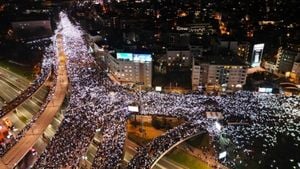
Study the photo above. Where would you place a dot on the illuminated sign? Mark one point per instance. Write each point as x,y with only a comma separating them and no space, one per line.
158,88
142,58
133,109
197,28
125,56
179,28
201,29
265,90
135,57
257,54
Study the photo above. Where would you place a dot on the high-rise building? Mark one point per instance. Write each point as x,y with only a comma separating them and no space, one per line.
286,58
243,51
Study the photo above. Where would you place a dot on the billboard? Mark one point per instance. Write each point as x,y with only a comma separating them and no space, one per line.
142,58
257,54
135,57
125,56
265,90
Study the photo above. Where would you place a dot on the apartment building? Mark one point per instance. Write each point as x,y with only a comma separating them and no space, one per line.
219,74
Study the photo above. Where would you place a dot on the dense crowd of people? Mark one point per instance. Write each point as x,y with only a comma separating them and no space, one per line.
248,116
90,104
146,155
110,149
97,104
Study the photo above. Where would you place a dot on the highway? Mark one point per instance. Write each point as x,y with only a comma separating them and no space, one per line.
24,112
13,77
129,152
11,86
31,137
29,159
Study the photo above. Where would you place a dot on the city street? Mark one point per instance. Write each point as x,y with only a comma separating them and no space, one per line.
16,153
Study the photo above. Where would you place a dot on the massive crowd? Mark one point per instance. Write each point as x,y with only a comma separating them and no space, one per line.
146,155
97,104
90,105
248,117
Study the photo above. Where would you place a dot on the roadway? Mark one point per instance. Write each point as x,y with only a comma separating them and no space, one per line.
24,112
163,163
129,151
179,134
11,86
17,152
41,144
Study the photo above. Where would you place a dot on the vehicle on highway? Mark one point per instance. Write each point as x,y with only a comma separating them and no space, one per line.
3,133
7,122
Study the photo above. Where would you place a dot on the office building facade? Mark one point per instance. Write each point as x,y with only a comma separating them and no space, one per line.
129,68
218,76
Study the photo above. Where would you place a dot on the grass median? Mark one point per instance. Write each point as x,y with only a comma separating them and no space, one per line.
187,160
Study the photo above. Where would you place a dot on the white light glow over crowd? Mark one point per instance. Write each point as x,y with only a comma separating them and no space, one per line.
98,104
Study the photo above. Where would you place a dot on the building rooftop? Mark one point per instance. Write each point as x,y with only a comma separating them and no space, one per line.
219,59
178,48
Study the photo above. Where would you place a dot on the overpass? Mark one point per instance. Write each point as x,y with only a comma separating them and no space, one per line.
150,154
174,145
17,152
288,84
